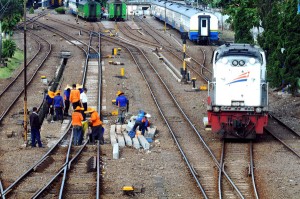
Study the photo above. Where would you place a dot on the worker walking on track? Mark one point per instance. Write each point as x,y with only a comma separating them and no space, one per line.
77,125
123,104
35,128
75,97
96,124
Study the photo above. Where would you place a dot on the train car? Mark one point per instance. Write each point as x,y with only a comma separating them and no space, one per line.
202,26
56,3
116,10
88,10
238,94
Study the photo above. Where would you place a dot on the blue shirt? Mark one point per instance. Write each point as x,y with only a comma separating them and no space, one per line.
67,94
58,101
140,116
49,100
121,100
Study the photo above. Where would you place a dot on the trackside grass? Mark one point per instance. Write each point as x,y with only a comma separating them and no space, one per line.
13,63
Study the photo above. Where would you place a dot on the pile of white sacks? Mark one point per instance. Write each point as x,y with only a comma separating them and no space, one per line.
119,137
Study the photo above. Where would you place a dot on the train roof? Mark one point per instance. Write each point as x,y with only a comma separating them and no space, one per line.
115,1
83,2
239,49
180,8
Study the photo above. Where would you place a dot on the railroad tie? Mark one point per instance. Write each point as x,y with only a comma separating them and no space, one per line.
44,164
92,164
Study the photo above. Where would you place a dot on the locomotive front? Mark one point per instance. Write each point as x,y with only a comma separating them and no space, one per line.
238,93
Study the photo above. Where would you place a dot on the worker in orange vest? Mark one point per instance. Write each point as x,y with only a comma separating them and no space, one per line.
75,97
77,125
96,124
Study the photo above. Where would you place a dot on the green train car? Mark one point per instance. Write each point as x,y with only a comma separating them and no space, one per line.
89,10
117,10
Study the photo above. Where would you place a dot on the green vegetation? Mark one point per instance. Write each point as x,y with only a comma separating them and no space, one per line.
280,39
31,11
13,63
9,48
60,10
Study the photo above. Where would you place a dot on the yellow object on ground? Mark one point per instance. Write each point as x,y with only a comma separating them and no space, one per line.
113,102
114,112
203,88
128,188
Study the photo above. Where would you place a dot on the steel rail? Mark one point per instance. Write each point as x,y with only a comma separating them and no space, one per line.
283,124
37,163
50,150
28,82
170,50
64,167
167,123
252,170
201,64
220,170
1,190
186,117
18,75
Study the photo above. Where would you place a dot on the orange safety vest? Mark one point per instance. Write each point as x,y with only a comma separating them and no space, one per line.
74,96
95,119
77,118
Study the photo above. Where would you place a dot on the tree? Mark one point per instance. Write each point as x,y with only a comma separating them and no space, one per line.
9,9
9,48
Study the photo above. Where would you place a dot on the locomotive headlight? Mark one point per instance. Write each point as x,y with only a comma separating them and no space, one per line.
216,109
224,60
258,110
235,62
241,62
252,61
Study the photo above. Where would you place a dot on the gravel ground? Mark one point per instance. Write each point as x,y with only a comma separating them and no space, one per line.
161,170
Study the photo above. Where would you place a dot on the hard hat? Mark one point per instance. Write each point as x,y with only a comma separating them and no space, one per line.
51,94
78,108
119,93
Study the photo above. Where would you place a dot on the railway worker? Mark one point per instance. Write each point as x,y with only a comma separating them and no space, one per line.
122,103
96,124
138,120
145,123
67,92
84,100
75,97
58,103
77,125
50,109
35,126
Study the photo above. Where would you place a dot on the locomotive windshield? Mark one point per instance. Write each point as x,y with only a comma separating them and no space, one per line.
236,53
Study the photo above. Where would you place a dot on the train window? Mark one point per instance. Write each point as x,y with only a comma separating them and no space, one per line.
203,23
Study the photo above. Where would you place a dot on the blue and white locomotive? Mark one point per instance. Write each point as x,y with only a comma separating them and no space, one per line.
202,26
238,94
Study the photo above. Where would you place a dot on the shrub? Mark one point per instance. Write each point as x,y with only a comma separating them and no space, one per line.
31,10
60,10
9,48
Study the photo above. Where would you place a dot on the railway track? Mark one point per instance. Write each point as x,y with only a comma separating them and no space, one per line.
285,135
237,161
57,151
172,113
12,92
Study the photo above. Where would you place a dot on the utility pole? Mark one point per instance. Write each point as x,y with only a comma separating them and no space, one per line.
165,28
25,78
0,42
